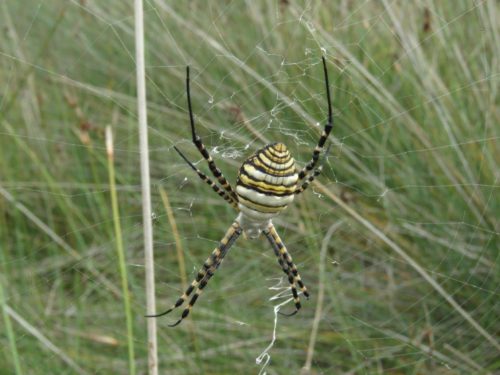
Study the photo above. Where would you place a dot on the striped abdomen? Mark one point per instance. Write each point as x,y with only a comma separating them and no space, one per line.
266,182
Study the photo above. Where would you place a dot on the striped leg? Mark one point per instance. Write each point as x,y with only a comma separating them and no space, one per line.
213,258
201,147
276,242
207,179
308,181
286,270
206,279
205,273
326,131
312,176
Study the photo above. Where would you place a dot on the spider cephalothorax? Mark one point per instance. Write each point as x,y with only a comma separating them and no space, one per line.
267,183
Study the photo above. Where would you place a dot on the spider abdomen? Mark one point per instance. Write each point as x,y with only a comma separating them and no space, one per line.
266,182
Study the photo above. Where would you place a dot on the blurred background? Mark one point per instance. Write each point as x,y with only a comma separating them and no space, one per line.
398,242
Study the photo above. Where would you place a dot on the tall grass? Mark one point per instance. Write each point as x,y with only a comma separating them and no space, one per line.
119,250
152,340
9,332
407,284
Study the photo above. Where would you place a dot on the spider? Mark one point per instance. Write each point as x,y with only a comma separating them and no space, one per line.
267,183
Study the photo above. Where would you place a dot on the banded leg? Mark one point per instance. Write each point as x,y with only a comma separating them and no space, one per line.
213,258
207,179
277,243
326,131
287,272
312,176
201,147
205,273
204,282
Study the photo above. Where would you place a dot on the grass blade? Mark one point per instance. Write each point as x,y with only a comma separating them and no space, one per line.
119,249
146,188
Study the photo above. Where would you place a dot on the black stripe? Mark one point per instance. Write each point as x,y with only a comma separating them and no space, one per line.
268,193
279,208
242,171
322,141
193,300
251,162
275,151
265,163
274,162
203,150
203,284
271,151
280,160
216,171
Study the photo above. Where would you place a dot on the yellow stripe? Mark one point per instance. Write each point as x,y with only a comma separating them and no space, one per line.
263,166
280,147
266,187
279,160
282,164
279,172
265,159
279,153
253,172
260,207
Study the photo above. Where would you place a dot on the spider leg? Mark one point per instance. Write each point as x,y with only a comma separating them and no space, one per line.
205,273
201,147
287,272
280,248
326,131
203,283
207,179
313,175
224,246
194,284
199,290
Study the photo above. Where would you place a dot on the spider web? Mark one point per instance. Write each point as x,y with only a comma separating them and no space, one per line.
398,240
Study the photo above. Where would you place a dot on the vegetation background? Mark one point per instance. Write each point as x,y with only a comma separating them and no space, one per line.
398,242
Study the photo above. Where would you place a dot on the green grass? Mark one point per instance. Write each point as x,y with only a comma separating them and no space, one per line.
410,276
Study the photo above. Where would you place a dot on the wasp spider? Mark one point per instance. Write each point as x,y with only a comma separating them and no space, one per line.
267,183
